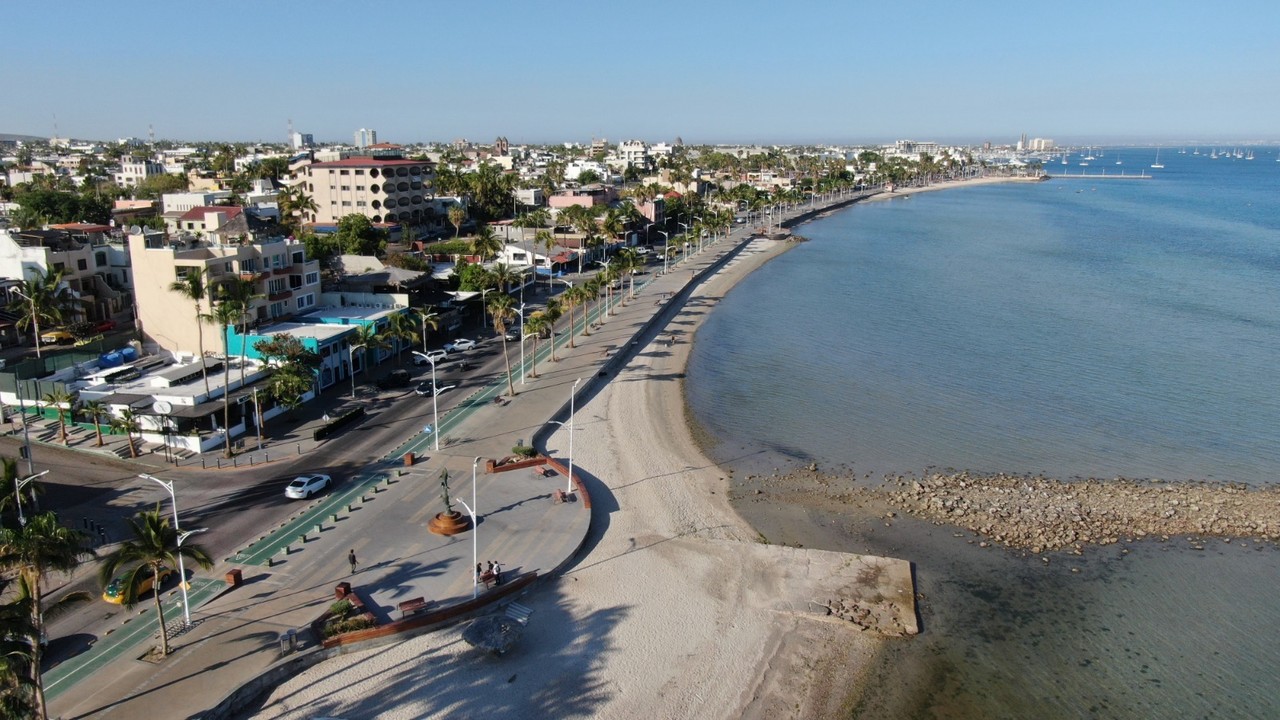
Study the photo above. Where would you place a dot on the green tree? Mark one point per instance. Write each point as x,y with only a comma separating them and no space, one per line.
294,204
193,285
457,216
18,640
357,236
570,299
41,300
40,547
552,314
153,546
127,423
293,368
501,310
96,410
225,314
429,321
366,338
154,186
321,248
486,243
587,177
402,328
61,400
534,326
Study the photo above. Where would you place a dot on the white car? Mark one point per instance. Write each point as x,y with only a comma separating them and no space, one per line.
460,345
304,486
434,356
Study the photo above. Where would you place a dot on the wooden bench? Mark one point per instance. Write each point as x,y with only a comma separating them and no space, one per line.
415,605
543,471
487,578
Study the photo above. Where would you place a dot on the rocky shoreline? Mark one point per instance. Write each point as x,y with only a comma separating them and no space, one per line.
1042,514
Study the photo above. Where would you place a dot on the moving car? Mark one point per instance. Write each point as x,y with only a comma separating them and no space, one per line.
396,379
425,358
115,589
424,388
55,337
460,345
512,334
304,486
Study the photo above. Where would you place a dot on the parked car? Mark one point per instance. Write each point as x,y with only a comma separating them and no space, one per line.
115,589
512,334
460,345
57,337
396,379
425,388
105,326
304,486
429,357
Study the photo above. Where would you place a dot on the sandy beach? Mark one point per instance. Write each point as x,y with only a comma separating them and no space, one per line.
676,608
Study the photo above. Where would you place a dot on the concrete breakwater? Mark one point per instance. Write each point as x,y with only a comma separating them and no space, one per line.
1040,514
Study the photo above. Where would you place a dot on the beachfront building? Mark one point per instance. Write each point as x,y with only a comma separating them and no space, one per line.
391,190
95,268
284,281
587,196
133,172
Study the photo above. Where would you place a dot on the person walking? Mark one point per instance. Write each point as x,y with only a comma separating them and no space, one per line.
351,558
497,572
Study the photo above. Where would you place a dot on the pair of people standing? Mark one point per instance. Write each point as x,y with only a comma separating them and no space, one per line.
493,573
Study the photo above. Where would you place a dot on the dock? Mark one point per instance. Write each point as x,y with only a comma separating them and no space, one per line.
1142,175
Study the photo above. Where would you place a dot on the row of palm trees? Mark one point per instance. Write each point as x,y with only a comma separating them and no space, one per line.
401,330
542,323
32,551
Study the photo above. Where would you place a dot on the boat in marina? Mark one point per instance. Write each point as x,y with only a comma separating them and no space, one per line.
1157,164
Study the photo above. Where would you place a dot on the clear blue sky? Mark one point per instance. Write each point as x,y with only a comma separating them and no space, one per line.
1088,72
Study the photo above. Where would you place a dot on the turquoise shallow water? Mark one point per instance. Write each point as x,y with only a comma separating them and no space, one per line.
1073,327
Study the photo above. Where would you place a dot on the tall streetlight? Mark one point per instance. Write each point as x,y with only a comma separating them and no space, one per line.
484,322
435,410
424,317
686,238
520,311
17,494
26,431
666,238
475,532
35,317
182,570
573,393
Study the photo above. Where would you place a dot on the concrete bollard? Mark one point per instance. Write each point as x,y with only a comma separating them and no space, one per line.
335,517
302,538
349,508
299,448
319,528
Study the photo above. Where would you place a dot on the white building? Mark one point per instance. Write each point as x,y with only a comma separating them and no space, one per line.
133,172
365,137
301,140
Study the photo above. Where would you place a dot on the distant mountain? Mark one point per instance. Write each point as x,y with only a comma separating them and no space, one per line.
4,137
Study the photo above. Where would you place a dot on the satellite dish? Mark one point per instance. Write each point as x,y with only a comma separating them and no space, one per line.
162,407
135,229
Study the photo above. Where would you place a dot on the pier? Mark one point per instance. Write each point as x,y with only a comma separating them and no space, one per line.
1142,175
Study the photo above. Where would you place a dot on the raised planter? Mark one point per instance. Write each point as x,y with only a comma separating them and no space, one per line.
450,523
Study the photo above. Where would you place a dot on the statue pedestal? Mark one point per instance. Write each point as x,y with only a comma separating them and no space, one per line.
450,523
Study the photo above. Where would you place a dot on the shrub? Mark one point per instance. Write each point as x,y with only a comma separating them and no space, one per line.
361,622
523,451
340,608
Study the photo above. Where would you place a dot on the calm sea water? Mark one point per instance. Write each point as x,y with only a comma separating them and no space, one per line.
1074,327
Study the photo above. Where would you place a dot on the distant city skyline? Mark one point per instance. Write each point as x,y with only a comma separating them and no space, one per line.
1141,72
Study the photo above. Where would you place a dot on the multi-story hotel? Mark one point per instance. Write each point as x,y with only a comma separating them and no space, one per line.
384,190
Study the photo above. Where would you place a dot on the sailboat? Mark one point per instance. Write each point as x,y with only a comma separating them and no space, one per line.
1157,164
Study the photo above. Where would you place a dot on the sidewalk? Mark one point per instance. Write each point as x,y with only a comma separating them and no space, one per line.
381,515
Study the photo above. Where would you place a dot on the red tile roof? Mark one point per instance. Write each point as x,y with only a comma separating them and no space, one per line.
367,162
197,213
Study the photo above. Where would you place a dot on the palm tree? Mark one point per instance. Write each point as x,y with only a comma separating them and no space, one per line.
240,293
486,243
225,314
501,311
548,240
427,320
41,298
97,410
154,546
18,638
193,286
366,338
628,262
590,291
457,216
293,201
10,478
127,422
571,299
60,399
552,313
401,328
503,276
33,551
534,325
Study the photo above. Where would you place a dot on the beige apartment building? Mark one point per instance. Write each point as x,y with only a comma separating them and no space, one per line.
384,190
284,279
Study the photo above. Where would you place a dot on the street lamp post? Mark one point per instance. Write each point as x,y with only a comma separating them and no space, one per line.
26,431
182,570
520,311
435,410
17,494
573,393
424,317
483,314
35,317
475,531
666,238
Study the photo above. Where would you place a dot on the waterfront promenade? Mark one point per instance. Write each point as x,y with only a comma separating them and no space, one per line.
381,515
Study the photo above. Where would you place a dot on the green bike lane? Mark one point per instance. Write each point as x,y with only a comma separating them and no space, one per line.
121,644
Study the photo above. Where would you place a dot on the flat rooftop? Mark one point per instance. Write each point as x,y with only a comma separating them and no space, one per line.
351,313
317,331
